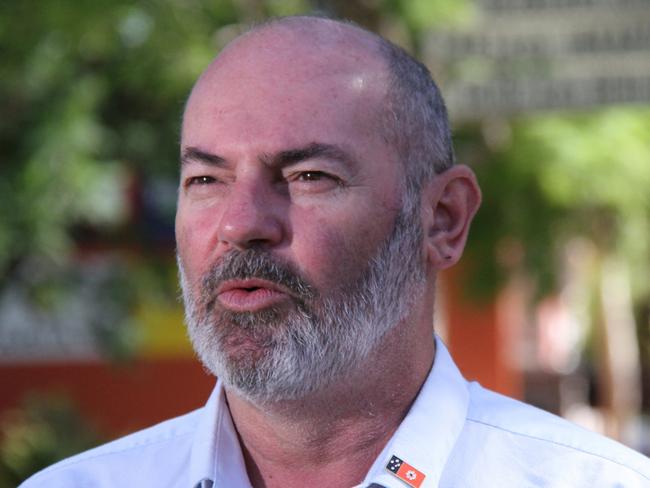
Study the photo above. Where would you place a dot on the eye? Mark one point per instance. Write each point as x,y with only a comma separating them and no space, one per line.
312,182
313,176
199,180
316,176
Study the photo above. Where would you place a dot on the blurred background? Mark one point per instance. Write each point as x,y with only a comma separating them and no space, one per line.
550,105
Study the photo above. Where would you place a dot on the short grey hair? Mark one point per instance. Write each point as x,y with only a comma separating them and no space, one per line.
414,120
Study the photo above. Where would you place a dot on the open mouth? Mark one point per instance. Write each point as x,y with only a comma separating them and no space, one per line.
250,295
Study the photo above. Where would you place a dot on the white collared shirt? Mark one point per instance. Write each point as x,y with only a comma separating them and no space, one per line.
457,434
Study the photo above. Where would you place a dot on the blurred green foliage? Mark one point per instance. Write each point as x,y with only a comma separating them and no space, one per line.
552,177
41,432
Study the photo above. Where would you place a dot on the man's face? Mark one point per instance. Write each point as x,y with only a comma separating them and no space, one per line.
295,256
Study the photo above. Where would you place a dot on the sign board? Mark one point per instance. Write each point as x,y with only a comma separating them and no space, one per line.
522,55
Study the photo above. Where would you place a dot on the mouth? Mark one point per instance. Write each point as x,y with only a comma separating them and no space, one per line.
251,295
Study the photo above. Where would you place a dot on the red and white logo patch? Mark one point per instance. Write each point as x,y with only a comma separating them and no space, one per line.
404,471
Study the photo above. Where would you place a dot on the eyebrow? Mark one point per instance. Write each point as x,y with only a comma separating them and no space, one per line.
193,154
310,151
283,158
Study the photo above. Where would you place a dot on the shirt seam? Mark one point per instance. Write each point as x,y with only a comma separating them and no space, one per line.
69,462
568,446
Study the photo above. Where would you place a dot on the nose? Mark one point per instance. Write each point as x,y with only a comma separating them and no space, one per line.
250,217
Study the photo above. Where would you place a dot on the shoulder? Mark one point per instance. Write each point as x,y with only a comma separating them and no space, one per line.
137,456
547,439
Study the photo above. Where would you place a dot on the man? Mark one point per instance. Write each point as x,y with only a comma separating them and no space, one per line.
318,200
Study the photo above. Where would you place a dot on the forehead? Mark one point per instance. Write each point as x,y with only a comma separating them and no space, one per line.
288,88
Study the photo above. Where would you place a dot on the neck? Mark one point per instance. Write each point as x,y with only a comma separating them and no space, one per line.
333,437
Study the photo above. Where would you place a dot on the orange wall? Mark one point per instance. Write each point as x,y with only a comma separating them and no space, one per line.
116,399
481,339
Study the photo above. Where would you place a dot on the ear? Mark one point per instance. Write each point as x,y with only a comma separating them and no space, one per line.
451,199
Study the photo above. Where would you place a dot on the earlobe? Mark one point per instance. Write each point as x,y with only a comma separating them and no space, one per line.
453,197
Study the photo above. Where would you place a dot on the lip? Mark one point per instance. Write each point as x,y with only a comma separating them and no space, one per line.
250,295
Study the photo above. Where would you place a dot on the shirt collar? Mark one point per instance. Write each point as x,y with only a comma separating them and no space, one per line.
428,433
216,458
424,439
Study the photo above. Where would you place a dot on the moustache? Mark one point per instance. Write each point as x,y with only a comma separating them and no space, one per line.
253,263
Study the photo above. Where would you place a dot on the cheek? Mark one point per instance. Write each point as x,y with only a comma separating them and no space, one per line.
322,255
193,243
335,250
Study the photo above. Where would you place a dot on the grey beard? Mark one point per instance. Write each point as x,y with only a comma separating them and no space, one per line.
289,352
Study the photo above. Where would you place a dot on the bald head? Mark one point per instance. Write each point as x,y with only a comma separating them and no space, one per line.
313,36
405,104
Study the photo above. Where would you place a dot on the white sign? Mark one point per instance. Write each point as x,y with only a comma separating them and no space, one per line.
519,55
